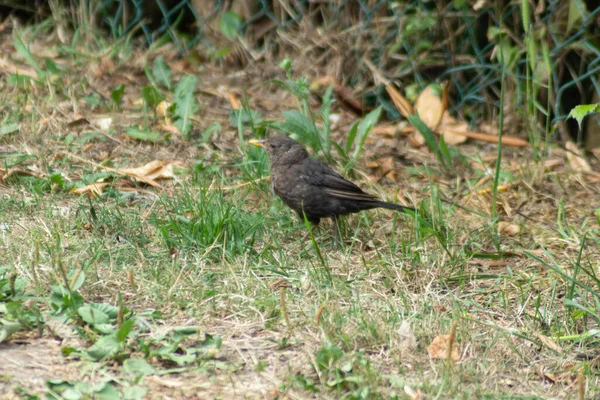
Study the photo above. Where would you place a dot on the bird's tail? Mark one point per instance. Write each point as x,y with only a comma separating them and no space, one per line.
392,206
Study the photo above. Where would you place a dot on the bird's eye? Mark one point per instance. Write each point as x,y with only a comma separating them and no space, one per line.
272,145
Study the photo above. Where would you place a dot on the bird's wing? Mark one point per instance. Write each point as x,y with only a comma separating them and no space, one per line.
333,183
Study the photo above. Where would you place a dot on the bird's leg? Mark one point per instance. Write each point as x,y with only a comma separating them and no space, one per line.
315,229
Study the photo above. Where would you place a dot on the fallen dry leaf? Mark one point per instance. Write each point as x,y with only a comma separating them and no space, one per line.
162,109
408,341
448,128
429,106
280,284
103,123
576,160
552,163
560,377
7,173
236,104
507,229
78,123
384,130
479,4
533,252
416,140
385,165
147,173
452,138
344,95
549,343
153,170
168,127
593,177
500,188
438,349
9,67
489,127
93,190
335,120
401,102
412,394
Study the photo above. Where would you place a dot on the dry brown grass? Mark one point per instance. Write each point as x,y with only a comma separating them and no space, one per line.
515,335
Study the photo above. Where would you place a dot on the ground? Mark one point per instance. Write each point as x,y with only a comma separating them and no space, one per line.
195,282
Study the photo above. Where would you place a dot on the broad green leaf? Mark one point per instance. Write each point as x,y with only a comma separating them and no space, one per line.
351,137
327,355
161,72
151,96
105,346
138,367
143,134
187,330
299,124
364,128
285,64
108,309
79,277
244,116
19,80
7,328
582,110
22,49
219,54
105,329
51,66
587,310
71,394
212,342
185,104
93,100
230,24
208,132
117,94
134,393
92,316
58,179
460,4
180,359
125,329
108,392
577,13
59,385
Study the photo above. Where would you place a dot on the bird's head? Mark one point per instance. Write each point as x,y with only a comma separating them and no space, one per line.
282,150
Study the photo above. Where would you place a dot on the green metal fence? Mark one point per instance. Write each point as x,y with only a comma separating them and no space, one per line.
414,41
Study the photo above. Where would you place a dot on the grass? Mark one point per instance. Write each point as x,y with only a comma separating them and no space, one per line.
203,287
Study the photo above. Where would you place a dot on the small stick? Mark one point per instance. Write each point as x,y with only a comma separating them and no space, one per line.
319,313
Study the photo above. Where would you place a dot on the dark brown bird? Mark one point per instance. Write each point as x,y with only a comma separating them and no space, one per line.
306,184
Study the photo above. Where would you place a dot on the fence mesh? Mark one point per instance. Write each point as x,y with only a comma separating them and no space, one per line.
412,41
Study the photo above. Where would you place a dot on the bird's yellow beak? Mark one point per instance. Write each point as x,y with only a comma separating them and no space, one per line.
258,143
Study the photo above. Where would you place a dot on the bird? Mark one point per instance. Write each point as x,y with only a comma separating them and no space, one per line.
311,188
